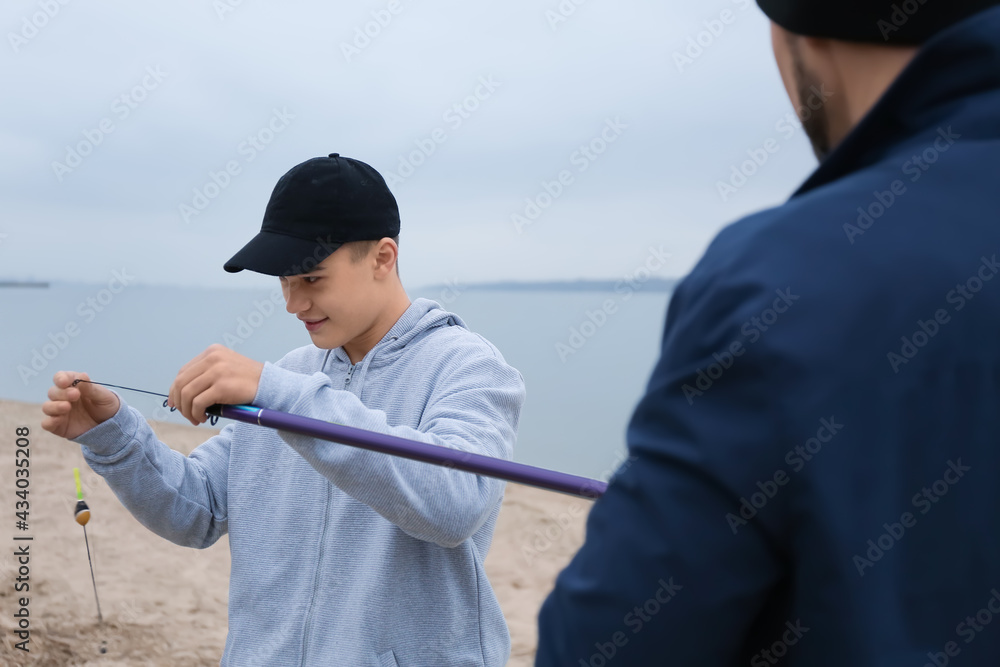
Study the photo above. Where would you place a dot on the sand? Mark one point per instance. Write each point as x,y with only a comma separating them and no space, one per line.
163,604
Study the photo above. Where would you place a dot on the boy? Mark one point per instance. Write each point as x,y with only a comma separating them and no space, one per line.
340,556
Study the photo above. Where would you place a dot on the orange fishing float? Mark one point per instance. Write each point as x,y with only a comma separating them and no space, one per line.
82,516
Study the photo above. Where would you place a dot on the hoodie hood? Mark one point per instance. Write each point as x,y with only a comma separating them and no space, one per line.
422,316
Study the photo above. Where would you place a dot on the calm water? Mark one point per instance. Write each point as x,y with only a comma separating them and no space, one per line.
578,403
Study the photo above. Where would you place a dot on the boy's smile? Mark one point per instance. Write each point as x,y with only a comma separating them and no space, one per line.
314,325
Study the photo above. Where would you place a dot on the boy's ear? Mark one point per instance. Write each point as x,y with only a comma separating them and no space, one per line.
386,254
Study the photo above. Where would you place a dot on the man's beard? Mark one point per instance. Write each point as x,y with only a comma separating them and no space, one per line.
817,122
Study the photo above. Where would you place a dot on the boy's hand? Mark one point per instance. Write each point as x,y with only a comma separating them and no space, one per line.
72,411
217,375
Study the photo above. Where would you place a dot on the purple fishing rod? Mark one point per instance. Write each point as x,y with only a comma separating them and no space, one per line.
418,451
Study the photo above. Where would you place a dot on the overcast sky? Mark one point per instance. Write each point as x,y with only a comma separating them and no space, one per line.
116,115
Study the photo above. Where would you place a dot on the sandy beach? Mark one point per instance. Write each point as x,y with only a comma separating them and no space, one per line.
163,604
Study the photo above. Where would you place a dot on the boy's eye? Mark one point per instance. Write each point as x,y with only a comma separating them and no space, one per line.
309,280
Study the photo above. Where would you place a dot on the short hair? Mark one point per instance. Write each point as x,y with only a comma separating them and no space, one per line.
360,249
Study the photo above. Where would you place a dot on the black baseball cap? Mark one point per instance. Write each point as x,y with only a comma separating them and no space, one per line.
894,22
315,208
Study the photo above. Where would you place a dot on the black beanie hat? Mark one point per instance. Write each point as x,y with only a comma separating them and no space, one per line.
895,22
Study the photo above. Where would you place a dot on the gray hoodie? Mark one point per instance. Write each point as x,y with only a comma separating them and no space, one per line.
340,556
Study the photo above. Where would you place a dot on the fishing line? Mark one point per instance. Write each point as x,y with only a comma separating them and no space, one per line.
212,419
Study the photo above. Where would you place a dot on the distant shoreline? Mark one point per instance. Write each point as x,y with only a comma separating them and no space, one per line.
650,285
26,283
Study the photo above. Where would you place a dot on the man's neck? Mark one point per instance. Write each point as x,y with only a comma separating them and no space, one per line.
362,345
867,72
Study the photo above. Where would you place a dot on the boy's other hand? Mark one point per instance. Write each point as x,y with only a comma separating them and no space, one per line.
72,411
217,375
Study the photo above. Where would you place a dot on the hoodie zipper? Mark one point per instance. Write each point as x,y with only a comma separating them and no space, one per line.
317,580
322,543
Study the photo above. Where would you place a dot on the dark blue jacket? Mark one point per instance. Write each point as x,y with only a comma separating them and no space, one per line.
815,471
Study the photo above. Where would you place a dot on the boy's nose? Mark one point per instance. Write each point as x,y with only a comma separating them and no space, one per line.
294,302
296,306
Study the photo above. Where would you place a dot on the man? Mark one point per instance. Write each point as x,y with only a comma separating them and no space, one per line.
340,556
817,453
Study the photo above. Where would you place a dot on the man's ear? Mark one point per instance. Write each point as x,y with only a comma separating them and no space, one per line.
386,253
